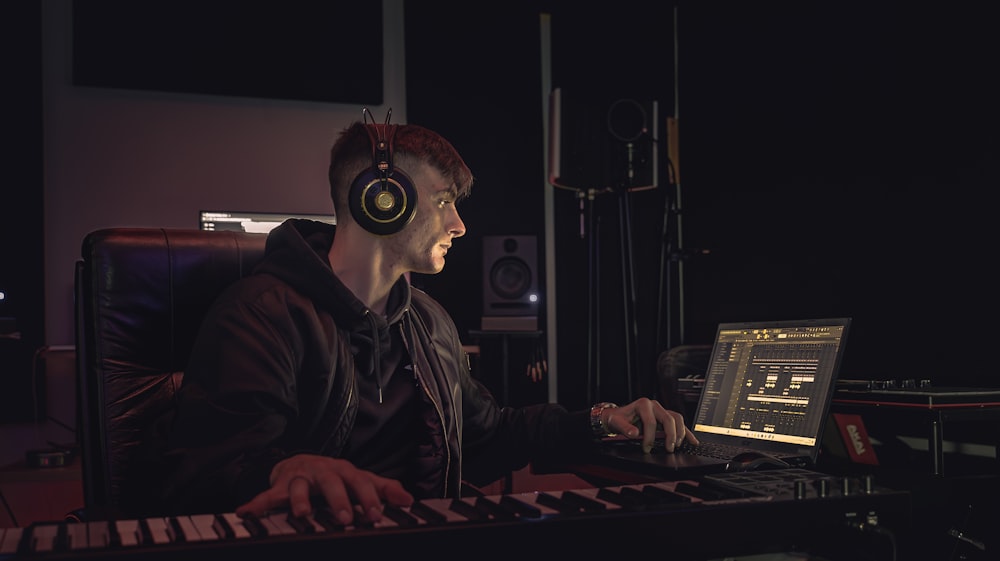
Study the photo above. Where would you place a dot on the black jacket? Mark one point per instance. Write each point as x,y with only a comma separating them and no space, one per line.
272,373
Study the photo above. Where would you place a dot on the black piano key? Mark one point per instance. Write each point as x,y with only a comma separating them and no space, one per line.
223,528
253,525
429,515
625,498
400,516
556,503
520,508
62,538
114,536
301,525
176,531
659,496
702,492
145,535
490,508
467,510
586,504
328,521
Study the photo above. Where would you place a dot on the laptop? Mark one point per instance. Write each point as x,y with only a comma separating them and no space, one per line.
767,391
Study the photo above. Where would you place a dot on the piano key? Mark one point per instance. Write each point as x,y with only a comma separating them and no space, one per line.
278,525
622,497
98,533
585,504
129,532
231,526
492,509
77,536
384,522
467,509
330,523
659,496
400,517
520,508
182,529
158,529
43,537
531,498
10,539
556,503
302,524
428,507
429,515
204,524
699,491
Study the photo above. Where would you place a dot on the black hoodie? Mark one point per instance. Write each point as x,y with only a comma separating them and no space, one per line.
275,371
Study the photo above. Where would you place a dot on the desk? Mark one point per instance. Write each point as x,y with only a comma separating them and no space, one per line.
504,337
944,416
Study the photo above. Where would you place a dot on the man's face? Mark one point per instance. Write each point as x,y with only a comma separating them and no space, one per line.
421,246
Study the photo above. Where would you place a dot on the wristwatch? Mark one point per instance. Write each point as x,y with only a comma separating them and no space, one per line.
597,424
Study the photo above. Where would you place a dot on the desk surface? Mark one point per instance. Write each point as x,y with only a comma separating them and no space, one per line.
932,398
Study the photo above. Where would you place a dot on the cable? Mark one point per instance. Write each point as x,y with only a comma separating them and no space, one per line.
10,512
875,529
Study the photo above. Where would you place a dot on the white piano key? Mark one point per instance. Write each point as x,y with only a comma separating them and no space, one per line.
441,506
205,525
280,522
43,537
591,493
191,533
10,538
531,498
76,535
98,534
159,530
128,531
236,525
310,520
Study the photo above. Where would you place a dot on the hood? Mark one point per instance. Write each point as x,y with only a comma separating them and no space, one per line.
296,252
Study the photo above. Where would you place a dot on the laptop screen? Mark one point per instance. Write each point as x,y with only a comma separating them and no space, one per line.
771,381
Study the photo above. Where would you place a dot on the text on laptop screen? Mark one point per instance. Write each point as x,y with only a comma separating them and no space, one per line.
256,222
770,383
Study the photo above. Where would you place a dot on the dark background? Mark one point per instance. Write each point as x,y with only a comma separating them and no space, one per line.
834,161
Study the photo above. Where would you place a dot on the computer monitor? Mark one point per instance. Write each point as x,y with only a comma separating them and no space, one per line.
258,222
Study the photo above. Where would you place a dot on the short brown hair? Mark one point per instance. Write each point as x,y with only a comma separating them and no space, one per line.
352,154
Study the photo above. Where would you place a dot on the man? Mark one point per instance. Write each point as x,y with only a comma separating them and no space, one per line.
325,376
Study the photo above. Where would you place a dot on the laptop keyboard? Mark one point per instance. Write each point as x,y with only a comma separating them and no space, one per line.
704,449
709,450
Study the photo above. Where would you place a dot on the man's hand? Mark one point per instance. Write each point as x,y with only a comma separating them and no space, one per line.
296,479
642,418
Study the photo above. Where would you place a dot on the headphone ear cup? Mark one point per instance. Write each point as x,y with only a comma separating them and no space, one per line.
382,209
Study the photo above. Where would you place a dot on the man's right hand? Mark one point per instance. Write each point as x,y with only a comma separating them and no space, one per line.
296,479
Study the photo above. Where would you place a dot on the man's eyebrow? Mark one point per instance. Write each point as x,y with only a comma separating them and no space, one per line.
451,191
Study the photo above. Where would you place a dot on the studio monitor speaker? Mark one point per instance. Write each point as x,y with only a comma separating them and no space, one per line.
510,276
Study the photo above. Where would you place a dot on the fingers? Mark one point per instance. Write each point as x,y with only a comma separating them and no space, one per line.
345,488
642,418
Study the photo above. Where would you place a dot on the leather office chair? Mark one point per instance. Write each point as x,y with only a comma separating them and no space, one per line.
141,294
681,362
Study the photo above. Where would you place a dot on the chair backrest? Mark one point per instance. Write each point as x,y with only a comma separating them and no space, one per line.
141,294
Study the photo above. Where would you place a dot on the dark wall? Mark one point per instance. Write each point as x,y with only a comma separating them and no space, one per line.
833,161
22,329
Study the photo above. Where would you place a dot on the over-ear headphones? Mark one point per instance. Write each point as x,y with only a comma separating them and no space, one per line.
382,199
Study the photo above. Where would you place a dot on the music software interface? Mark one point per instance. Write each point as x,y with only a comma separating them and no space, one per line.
770,384
258,222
